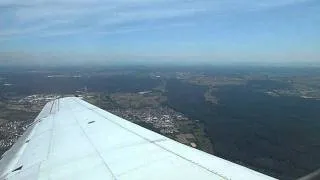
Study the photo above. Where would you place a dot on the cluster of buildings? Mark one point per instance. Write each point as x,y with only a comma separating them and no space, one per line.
39,98
161,118
10,132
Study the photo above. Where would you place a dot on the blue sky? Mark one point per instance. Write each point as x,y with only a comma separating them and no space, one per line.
84,32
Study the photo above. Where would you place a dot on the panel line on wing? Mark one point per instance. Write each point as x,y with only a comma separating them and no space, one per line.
150,141
136,144
96,150
50,149
141,166
51,107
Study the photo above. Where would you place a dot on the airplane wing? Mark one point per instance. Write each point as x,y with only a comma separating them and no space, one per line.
72,139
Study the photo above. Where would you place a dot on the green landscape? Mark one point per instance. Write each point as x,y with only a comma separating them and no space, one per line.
266,119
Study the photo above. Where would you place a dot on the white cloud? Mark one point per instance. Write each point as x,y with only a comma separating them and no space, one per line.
159,27
21,18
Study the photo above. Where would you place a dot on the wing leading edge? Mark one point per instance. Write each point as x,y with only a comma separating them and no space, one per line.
72,139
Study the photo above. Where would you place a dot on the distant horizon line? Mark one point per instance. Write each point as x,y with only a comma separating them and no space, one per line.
159,65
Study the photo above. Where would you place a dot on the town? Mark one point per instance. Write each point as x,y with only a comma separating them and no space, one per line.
161,119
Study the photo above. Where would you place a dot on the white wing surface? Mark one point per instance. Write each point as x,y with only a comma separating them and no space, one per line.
72,139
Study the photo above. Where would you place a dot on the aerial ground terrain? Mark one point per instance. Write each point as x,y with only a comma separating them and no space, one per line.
264,118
